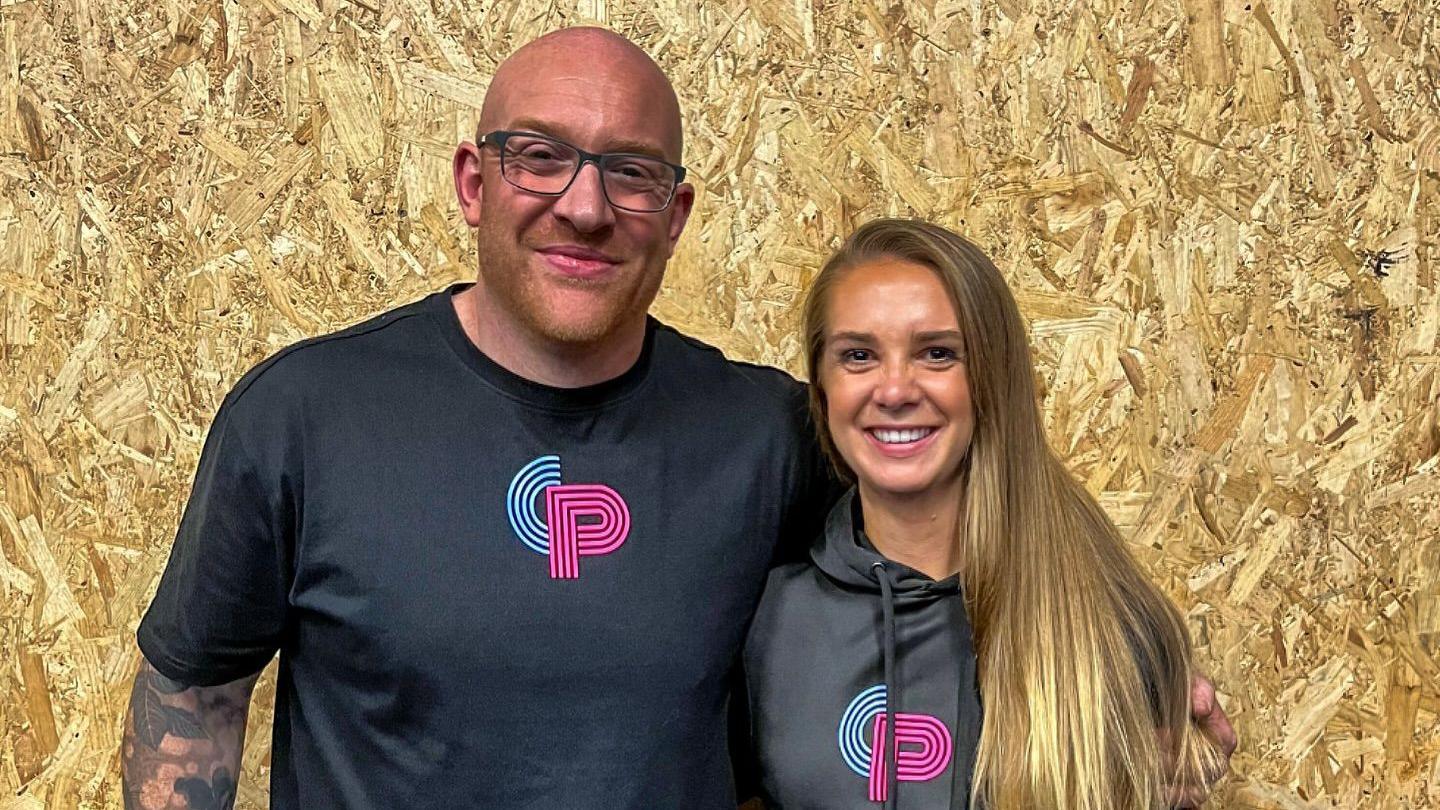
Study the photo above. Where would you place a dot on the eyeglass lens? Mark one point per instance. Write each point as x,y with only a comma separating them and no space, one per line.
544,166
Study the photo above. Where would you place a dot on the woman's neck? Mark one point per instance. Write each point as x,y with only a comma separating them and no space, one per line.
919,530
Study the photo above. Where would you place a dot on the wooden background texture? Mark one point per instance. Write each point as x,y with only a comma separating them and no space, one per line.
1220,218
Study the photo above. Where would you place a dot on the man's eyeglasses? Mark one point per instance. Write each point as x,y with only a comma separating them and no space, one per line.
543,165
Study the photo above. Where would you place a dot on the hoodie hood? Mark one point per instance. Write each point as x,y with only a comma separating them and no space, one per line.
845,554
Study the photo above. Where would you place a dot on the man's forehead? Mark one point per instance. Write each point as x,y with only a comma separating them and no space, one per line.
598,92
599,117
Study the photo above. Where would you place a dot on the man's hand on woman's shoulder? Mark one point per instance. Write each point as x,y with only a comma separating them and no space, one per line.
1211,718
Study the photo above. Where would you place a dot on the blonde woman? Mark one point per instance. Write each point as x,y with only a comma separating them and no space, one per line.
966,566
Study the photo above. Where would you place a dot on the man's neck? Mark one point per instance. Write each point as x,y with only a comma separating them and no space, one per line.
509,342
917,530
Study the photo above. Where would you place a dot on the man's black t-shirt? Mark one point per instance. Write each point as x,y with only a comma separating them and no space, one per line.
486,592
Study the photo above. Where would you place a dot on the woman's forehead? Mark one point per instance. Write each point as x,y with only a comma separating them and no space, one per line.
890,296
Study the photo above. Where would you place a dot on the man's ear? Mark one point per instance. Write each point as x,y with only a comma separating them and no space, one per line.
680,212
469,188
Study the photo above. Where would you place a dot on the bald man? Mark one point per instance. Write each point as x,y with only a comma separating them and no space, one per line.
505,539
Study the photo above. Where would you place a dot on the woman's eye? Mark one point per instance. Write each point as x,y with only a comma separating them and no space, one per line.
940,354
855,356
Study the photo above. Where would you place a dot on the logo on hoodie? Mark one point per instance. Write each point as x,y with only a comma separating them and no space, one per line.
923,745
581,520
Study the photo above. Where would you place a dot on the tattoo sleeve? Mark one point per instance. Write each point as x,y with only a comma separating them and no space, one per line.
183,741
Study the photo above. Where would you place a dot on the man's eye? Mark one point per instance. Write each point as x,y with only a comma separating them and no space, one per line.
631,171
539,153
638,174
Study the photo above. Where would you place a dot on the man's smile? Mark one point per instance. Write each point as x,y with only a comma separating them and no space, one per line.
578,261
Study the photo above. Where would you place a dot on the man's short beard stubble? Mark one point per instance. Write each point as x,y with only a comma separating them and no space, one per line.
507,276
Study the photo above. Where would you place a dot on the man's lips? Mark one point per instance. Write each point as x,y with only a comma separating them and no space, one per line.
576,261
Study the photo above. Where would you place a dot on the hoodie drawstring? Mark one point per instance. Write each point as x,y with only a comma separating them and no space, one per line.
892,697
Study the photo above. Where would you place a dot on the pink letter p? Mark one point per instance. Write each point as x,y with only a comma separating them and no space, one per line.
570,539
926,758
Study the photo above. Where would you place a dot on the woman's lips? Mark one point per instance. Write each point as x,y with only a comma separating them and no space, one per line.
904,450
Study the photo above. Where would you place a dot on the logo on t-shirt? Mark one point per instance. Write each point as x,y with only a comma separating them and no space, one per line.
923,745
581,520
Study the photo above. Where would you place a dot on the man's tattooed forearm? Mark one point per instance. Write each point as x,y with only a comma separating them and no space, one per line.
153,717
183,741
216,794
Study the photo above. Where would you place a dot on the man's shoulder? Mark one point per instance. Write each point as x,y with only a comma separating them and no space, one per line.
317,363
712,373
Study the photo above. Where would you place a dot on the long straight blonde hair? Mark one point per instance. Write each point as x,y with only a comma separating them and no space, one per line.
1084,665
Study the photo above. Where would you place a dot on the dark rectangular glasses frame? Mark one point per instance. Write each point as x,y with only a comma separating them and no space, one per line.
498,137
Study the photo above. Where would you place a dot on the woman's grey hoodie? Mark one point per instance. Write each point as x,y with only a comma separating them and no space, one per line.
837,644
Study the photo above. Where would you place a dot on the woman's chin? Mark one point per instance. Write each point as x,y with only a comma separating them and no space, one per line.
899,486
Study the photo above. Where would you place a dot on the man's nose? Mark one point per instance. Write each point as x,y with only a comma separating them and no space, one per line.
583,205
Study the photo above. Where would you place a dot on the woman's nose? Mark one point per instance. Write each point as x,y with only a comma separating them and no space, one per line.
897,387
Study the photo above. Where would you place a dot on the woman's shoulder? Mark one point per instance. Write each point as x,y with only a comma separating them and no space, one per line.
786,575
789,587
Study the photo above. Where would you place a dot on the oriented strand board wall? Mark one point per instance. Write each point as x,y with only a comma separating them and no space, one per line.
1220,217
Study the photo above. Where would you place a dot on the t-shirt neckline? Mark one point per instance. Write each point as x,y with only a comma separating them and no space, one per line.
526,390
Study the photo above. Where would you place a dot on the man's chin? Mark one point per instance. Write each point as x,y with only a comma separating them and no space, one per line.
575,323
577,334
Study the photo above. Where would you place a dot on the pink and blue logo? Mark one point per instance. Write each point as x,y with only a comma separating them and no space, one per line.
581,520
923,745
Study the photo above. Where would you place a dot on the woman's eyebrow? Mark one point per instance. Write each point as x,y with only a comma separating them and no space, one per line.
853,337
939,334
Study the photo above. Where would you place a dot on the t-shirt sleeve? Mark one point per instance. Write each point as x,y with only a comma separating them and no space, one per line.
815,488
220,610
743,762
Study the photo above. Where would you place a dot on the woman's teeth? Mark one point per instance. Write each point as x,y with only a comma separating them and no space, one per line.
901,436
